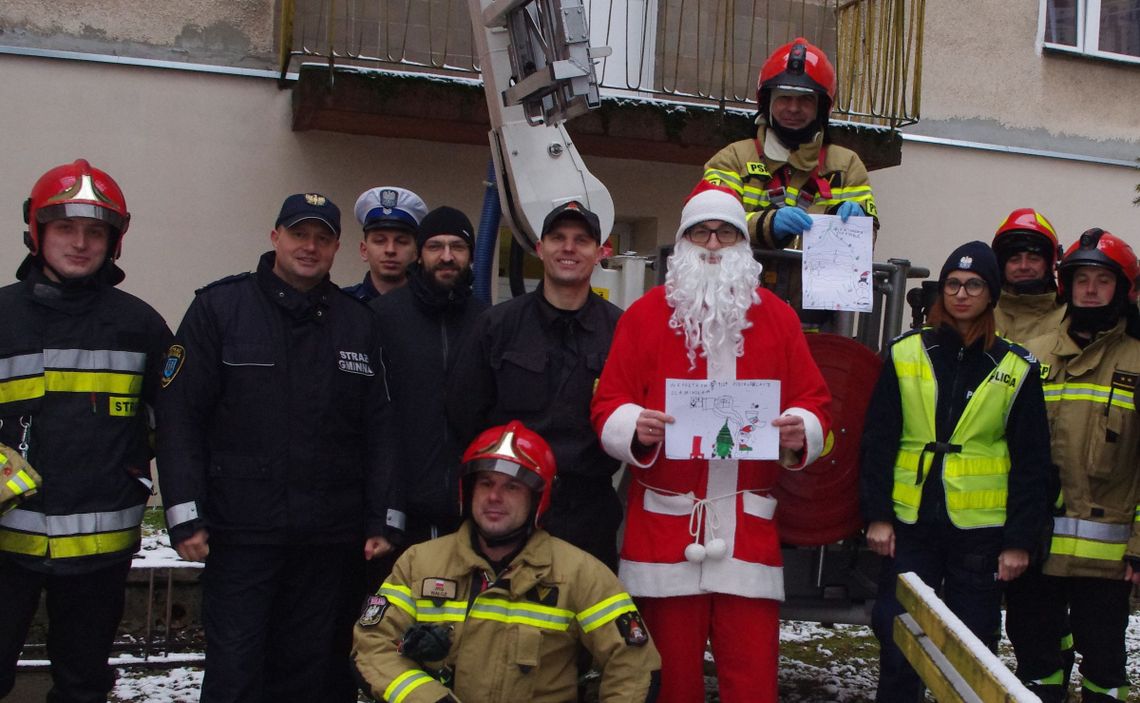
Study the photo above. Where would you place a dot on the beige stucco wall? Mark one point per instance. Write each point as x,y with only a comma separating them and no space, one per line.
234,32
205,161
983,61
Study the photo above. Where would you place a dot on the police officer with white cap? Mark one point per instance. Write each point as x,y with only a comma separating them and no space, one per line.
390,217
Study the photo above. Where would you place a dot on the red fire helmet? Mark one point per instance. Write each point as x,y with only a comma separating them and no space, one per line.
76,190
516,451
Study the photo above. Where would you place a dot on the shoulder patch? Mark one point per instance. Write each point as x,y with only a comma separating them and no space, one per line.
1022,352
373,611
906,334
757,168
175,357
222,281
632,629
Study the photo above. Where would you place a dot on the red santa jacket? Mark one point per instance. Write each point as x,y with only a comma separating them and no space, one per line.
729,500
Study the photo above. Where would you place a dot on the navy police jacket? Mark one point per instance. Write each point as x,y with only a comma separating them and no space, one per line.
277,407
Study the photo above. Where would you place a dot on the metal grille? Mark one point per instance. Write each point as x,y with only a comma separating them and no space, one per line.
678,50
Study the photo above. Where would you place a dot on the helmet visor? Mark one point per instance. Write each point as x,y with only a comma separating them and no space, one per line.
65,210
516,471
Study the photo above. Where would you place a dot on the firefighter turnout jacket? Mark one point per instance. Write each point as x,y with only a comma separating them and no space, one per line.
765,184
277,407
514,636
79,368
1022,317
1089,395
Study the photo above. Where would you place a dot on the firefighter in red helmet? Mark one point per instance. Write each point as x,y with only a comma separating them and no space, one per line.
790,169
79,365
501,582
1089,367
1027,250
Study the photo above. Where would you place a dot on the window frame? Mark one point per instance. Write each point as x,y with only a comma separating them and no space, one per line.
1088,34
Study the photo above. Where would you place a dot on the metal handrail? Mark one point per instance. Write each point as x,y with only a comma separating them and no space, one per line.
706,51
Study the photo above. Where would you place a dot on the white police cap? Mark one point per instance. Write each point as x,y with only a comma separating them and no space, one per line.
388,206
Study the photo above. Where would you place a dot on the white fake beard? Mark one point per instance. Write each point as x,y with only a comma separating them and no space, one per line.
710,301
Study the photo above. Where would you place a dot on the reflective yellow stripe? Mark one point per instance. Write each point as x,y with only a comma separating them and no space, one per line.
21,483
21,389
1089,392
404,684
532,614
1086,549
93,382
66,547
399,596
595,616
726,178
448,611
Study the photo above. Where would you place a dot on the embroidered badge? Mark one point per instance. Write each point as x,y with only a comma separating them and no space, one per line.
434,587
315,199
173,365
373,612
965,262
543,594
1045,371
632,629
757,168
389,198
354,362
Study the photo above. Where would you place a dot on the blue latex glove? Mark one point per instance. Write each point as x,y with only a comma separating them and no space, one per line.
849,208
789,222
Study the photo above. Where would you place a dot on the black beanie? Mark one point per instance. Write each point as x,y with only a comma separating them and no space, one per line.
445,220
975,257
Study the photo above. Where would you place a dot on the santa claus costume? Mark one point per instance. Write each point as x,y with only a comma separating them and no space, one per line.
701,553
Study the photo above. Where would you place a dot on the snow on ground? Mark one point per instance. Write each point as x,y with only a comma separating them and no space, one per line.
818,663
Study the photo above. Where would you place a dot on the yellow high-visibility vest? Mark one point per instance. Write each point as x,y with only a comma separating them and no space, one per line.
975,465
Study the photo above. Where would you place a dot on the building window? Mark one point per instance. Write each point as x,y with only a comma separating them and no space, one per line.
1104,28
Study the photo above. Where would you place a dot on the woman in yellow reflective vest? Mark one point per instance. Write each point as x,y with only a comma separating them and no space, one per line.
955,462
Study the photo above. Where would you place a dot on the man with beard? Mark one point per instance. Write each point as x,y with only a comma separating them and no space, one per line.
790,168
1026,247
423,326
701,554
389,217
536,359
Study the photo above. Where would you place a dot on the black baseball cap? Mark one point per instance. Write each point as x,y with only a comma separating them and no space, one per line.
309,206
573,210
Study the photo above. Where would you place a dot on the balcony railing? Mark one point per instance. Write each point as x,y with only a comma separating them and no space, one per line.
676,50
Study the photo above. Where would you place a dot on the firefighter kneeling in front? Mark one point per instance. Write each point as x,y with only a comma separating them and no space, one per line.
497,610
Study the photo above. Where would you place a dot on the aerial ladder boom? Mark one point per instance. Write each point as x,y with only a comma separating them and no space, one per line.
538,72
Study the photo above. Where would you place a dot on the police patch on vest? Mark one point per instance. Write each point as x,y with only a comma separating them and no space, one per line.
354,362
632,629
373,612
438,588
999,376
174,359
1123,381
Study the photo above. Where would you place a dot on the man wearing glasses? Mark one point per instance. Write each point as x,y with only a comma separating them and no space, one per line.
701,554
423,325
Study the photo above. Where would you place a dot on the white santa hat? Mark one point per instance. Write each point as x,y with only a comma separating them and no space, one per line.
709,202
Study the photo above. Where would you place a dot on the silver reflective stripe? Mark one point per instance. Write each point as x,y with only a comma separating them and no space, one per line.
25,521
183,512
95,360
1087,529
396,519
23,365
81,524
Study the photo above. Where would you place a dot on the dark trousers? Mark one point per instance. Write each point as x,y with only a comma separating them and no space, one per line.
276,622
1024,626
961,566
586,513
83,611
1039,614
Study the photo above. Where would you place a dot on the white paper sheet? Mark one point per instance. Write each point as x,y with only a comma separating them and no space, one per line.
837,264
722,420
